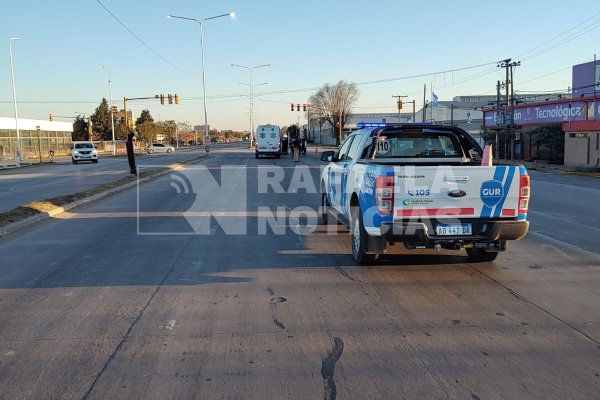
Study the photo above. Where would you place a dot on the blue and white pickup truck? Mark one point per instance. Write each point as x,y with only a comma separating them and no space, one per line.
422,185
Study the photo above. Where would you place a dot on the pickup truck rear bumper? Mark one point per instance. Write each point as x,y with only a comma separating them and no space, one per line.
407,231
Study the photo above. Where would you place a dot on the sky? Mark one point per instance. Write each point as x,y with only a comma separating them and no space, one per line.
387,47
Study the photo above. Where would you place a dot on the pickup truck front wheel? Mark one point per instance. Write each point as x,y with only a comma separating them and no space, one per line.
325,217
480,255
359,238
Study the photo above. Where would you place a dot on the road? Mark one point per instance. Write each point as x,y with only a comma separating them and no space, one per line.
565,209
21,186
255,303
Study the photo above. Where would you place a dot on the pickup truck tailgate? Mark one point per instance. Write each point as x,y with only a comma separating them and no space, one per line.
456,192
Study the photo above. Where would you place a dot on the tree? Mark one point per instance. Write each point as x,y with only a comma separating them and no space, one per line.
167,129
333,103
101,122
120,130
144,117
185,132
80,129
145,127
550,137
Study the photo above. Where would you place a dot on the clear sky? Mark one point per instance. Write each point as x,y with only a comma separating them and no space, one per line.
58,64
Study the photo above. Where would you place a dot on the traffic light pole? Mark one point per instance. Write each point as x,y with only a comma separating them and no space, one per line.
399,105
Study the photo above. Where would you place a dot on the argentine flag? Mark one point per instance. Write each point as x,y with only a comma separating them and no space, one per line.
434,100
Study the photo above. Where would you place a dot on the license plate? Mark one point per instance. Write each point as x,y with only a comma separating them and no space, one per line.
453,230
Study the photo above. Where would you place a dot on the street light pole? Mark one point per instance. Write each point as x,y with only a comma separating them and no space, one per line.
112,117
251,97
12,75
201,22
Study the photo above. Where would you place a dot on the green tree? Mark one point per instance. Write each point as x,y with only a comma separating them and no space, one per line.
80,128
145,116
145,127
101,122
120,130
333,103
167,130
551,137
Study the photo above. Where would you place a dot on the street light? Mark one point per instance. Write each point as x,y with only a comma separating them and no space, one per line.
201,22
112,117
251,97
12,75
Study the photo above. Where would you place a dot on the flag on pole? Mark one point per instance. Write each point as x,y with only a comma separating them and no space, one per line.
434,100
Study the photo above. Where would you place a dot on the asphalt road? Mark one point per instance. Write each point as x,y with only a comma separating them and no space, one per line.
21,186
255,303
565,209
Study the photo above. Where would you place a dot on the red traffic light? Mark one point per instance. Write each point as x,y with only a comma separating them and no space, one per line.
297,107
292,106
303,107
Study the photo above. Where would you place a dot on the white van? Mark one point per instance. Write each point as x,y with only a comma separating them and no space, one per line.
268,140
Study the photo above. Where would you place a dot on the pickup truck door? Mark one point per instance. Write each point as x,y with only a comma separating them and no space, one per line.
338,175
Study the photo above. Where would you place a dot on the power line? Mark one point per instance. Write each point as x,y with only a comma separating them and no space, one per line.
557,36
141,41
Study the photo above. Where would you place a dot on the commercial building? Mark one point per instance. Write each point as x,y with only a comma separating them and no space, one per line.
578,115
52,135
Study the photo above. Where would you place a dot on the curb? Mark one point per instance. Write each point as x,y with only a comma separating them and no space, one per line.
14,226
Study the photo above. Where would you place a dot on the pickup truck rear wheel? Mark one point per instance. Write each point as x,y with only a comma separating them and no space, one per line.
480,255
359,239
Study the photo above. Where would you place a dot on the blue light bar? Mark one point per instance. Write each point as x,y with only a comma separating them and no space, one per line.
371,124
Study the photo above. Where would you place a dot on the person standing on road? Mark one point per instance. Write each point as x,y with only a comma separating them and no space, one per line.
296,149
303,146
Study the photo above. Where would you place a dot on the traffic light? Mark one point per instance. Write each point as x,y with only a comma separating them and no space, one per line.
51,117
170,98
399,104
113,109
303,107
176,98
297,107
292,107
162,99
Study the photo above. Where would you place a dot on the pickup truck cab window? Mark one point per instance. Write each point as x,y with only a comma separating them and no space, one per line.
421,144
343,153
353,150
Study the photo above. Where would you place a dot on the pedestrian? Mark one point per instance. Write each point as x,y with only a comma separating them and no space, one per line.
303,146
296,149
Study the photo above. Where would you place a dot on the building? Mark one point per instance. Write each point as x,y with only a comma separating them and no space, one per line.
53,135
577,114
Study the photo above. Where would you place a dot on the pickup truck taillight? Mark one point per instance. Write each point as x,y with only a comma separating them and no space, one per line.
524,189
384,190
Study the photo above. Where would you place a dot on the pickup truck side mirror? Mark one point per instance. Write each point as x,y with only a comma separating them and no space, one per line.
327,156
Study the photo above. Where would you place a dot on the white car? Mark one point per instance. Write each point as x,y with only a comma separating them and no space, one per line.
83,151
159,148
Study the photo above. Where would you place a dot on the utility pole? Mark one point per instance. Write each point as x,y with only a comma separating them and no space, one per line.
424,104
399,105
509,110
341,114
414,111
498,86
452,114
37,129
112,116
125,112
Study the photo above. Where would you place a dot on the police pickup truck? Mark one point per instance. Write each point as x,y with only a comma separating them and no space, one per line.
423,185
